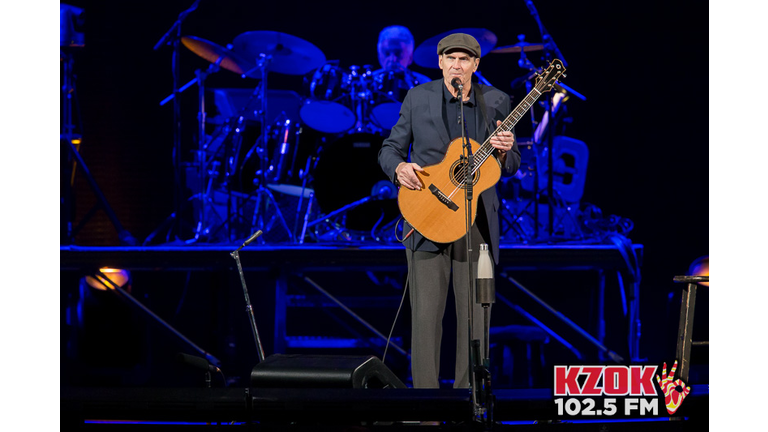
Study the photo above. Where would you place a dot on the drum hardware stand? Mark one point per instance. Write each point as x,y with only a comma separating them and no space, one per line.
278,166
306,218
526,64
262,64
361,94
514,224
201,229
304,180
173,37
553,105
68,138
550,49
231,155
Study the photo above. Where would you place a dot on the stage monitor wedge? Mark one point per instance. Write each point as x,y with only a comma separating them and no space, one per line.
323,371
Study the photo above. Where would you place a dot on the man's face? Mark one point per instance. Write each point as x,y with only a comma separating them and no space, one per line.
458,64
394,54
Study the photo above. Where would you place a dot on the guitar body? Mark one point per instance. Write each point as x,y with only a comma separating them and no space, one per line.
438,210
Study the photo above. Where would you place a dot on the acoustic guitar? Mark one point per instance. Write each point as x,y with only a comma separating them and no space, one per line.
438,211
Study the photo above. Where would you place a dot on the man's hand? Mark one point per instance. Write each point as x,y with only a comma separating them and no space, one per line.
503,142
672,397
406,175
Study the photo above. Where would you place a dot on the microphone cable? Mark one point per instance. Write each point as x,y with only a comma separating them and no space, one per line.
405,289
407,235
399,308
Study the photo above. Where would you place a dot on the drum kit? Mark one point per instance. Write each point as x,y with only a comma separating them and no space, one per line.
273,154
270,154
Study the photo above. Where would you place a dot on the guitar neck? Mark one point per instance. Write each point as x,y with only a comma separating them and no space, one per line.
487,149
544,83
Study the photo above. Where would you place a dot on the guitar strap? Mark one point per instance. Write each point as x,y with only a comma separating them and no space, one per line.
483,109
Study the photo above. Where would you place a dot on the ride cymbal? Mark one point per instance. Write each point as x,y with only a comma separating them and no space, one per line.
290,55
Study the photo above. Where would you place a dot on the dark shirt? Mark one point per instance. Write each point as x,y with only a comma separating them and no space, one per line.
451,114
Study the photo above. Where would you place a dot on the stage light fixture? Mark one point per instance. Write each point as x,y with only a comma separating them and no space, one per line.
700,267
107,278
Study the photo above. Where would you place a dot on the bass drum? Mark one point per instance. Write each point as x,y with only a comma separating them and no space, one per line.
347,170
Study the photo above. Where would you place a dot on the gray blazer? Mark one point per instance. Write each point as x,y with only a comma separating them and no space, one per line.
421,125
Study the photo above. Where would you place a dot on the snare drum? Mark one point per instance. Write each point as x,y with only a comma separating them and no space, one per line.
325,108
347,170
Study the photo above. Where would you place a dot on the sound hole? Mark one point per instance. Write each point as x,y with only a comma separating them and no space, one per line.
459,174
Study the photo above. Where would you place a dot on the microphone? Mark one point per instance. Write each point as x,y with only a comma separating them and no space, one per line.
456,83
247,242
197,362
252,238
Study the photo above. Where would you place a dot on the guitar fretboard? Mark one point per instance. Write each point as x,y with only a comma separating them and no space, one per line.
486,149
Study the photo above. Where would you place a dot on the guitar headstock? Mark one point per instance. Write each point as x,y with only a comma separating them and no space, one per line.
549,77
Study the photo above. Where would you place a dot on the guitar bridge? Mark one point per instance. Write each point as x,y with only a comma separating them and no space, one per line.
443,198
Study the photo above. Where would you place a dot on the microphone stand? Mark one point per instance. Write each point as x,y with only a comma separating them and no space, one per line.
173,36
526,64
469,163
248,308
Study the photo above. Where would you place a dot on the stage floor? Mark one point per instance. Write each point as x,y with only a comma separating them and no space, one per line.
347,410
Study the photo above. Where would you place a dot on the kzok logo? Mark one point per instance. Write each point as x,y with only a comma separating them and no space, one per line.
605,382
582,384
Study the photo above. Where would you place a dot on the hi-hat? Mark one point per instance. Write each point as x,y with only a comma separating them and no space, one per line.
426,53
289,54
213,52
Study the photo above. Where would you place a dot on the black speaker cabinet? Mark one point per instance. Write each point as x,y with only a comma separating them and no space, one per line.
323,371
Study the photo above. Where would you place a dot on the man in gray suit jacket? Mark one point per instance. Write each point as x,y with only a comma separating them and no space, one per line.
429,120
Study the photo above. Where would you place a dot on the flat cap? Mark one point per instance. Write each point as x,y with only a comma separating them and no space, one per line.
459,41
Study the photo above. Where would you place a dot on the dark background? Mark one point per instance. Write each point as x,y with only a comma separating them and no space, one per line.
641,66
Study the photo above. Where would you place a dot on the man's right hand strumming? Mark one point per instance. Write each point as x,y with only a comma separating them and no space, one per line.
406,175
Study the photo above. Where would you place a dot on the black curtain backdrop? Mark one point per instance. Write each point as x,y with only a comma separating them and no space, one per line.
641,65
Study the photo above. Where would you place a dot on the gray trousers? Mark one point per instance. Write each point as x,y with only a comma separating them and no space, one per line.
429,277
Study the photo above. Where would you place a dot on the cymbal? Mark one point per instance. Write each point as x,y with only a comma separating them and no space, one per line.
426,53
290,55
213,52
518,47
